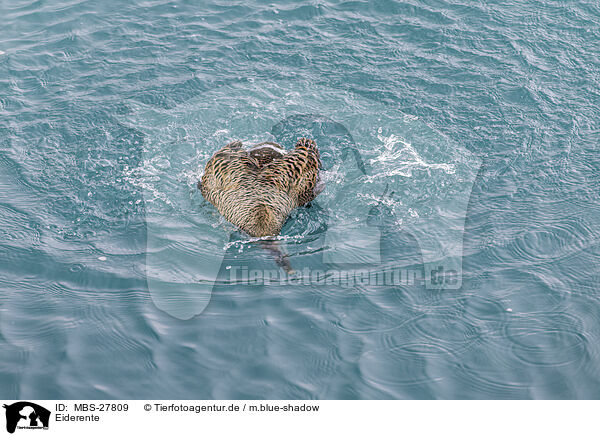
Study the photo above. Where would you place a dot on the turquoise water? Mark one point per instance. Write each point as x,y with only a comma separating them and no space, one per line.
454,135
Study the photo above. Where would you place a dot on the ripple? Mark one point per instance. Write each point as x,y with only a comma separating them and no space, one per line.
551,341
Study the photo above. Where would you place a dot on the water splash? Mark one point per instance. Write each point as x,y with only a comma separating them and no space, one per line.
400,158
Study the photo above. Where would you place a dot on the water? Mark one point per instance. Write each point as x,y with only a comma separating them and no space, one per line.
453,135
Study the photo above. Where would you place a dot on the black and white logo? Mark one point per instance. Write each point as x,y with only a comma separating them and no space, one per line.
26,415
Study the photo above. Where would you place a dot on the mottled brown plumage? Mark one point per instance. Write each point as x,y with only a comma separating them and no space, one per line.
257,189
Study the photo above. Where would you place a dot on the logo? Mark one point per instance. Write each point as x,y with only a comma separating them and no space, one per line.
26,415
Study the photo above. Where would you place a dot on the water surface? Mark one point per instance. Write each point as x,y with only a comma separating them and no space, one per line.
452,134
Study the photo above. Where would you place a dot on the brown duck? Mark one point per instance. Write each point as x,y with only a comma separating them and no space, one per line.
257,189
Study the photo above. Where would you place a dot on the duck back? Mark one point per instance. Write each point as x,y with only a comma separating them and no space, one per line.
257,189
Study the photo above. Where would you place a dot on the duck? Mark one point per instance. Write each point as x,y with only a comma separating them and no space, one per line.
256,189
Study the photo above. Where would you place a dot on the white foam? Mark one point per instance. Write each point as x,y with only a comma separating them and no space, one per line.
404,157
249,240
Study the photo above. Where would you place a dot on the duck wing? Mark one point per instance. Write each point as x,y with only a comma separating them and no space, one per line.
226,169
295,172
